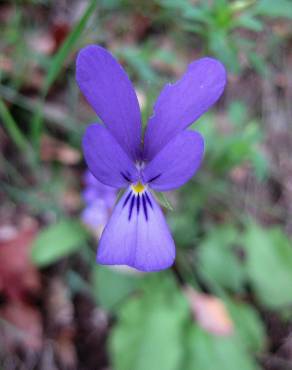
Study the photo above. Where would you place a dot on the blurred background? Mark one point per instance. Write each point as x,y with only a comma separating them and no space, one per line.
226,304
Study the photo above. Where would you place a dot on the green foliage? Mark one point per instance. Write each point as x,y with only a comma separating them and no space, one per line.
228,353
269,265
57,63
271,8
234,143
216,23
12,128
68,46
58,241
183,226
155,331
217,257
149,333
163,200
112,286
248,325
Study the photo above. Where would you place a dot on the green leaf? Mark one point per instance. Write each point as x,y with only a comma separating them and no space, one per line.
241,5
183,228
112,286
149,332
269,265
237,113
224,48
272,8
217,257
57,64
209,352
58,241
248,325
258,62
12,128
163,200
249,23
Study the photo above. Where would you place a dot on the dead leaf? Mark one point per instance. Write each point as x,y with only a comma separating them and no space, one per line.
42,43
210,312
239,174
17,274
65,349
21,326
60,30
53,149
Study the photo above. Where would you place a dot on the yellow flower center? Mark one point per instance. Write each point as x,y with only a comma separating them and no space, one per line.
138,188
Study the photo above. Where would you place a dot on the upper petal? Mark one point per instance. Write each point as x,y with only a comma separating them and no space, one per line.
108,89
176,163
106,159
180,104
137,235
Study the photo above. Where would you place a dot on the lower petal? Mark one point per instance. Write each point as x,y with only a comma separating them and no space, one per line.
137,235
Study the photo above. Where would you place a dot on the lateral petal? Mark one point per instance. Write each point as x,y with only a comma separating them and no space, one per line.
105,158
176,163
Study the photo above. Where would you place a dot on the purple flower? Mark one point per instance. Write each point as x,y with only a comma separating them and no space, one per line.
99,200
137,234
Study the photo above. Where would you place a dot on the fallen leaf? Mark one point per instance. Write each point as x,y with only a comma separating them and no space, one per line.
60,30
65,349
18,276
42,43
53,149
210,313
21,326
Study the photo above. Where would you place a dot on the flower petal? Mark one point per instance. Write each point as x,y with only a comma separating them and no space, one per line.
180,104
108,89
137,235
105,158
176,163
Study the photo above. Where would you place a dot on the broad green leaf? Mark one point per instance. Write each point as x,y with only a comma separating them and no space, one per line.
112,286
269,265
217,257
272,8
58,241
248,325
209,352
149,331
183,228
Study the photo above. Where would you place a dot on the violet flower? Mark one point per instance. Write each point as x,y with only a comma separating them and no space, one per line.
99,200
137,234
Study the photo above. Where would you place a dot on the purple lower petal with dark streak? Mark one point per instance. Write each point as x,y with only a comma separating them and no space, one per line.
137,236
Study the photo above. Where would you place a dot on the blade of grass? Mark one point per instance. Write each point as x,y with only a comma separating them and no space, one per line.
56,66
29,104
12,127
